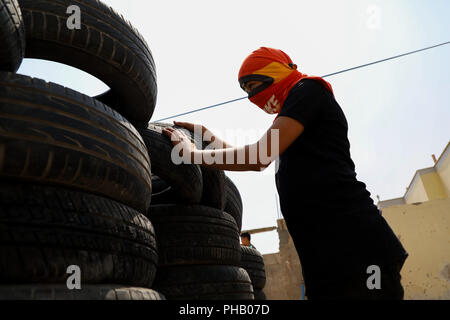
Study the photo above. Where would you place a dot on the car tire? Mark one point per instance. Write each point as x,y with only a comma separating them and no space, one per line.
12,35
260,295
185,180
87,292
253,262
204,283
56,136
195,235
213,193
233,202
106,46
44,230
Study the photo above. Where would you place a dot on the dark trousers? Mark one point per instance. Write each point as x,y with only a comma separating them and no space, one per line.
357,289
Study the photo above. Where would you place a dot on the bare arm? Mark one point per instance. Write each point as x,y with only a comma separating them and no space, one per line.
254,157
216,142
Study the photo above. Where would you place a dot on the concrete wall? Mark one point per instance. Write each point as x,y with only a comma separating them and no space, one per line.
283,269
424,230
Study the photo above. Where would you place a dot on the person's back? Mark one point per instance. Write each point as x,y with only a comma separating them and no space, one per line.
336,228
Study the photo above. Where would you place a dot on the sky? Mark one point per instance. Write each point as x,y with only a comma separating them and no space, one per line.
398,111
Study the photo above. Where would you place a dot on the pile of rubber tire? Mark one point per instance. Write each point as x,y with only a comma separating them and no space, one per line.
197,215
75,178
76,184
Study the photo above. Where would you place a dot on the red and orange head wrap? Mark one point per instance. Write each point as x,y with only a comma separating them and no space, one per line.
277,72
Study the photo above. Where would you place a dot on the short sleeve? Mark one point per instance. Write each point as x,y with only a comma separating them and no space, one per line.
304,102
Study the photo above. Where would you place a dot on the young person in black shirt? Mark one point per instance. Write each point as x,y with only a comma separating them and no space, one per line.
346,248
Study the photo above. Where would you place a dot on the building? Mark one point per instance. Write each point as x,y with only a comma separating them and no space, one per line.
421,220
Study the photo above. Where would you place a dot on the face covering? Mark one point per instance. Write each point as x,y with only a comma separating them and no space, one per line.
277,72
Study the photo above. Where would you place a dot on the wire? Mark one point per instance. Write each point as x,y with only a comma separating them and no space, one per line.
325,76
391,58
201,109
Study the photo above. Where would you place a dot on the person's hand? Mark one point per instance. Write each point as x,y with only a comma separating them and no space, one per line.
190,126
177,137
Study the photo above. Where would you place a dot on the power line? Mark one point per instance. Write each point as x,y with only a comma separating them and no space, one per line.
383,60
201,109
325,76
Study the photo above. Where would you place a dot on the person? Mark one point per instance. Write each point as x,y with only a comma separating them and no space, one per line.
346,248
245,240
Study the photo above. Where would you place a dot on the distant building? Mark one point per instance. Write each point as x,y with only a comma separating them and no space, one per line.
421,220
427,184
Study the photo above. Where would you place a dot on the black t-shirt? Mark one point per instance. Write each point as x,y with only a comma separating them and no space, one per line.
329,213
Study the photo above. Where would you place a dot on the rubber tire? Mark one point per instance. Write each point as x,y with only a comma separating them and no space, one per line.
185,179
259,294
195,235
87,292
106,46
163,193
213,193
204,283
253,262
44,230
158,185
56,136
233,202
12,35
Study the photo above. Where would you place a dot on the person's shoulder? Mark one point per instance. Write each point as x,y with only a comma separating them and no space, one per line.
310,85
304,90
307,88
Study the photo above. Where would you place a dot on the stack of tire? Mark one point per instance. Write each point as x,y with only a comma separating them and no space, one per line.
253,262
197,215
75,178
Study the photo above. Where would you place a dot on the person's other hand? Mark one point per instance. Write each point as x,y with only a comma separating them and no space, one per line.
177,137
190,126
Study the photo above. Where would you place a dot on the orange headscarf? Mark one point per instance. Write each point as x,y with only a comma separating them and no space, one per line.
279,75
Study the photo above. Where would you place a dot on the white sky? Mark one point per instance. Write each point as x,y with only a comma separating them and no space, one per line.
398,111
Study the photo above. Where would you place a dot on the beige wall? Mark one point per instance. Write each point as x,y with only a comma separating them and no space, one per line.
426,185
391,202
443,169
424,230
433,186
416,192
